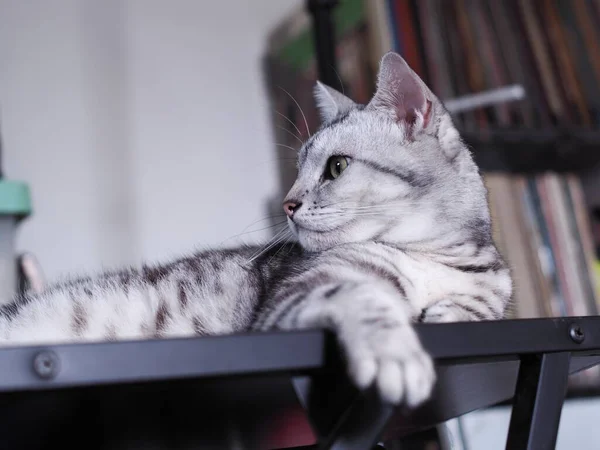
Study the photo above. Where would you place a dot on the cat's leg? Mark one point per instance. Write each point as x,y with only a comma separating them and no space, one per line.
463,308
373,326
204,294
79,315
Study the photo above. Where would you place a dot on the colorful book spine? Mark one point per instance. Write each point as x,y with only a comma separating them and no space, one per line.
551,47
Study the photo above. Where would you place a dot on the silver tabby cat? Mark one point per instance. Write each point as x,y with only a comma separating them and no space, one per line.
391,215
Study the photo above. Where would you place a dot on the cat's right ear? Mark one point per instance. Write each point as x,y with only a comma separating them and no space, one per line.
401,94
330,102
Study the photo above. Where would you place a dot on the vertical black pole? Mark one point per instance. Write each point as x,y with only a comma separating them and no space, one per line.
324,40
538,402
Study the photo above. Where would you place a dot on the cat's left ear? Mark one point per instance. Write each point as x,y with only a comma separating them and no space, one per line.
330,102
402,95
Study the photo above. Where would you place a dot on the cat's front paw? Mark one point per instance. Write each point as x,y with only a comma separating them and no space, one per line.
379,342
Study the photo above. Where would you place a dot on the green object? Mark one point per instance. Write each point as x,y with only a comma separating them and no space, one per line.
298,52
14,198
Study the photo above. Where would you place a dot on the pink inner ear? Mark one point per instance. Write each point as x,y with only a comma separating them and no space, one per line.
427,113
400,91
409,116
409,100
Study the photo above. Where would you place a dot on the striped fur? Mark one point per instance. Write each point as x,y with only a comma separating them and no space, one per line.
401,235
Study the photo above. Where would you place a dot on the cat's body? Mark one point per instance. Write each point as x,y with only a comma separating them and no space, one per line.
393,227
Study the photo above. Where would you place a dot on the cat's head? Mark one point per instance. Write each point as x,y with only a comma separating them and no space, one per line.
395,170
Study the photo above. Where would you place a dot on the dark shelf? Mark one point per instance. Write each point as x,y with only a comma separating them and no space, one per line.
572,394
275,385
581,393
529,151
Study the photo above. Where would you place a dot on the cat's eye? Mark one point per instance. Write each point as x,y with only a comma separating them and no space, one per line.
335,166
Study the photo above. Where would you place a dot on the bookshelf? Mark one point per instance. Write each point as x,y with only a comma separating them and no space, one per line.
529,151
565,130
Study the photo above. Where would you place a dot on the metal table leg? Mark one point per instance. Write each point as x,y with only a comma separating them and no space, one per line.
343,418
539,397
362,424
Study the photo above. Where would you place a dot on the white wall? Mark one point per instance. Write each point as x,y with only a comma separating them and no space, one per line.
487,429
141,125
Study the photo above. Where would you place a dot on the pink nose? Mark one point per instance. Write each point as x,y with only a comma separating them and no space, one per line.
291,207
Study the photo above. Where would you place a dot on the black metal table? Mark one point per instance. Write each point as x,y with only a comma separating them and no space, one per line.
274,390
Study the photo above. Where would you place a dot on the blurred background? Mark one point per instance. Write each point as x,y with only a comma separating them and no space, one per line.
142,129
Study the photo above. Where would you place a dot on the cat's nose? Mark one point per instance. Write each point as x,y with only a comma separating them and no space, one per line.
291,207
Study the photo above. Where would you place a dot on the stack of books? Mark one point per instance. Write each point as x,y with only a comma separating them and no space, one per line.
542,228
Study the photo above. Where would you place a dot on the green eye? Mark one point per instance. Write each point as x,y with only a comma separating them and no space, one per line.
335,166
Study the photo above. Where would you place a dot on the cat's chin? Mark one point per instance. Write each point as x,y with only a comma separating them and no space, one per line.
321,240
314,241
311,240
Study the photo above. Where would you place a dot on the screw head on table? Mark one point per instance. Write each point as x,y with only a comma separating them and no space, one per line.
46,364
576,332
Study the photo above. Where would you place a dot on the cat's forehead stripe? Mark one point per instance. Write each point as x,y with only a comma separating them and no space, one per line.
406,175
306,147
311,141
338,120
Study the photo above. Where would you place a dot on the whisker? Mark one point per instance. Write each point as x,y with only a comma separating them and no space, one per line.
274,241
291,134
350,214
275,216
286,146
266,249
338,77
351,204
338,204
290,249
265,218
356,212
371,208
260,229
293,124
244,233
280,248
298,105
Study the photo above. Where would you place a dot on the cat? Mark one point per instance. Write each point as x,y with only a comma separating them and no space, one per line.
393,227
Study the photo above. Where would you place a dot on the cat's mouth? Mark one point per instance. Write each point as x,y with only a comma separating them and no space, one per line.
298,226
